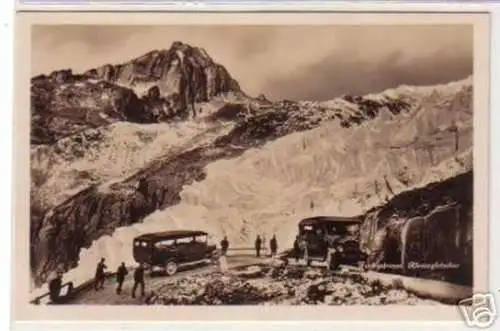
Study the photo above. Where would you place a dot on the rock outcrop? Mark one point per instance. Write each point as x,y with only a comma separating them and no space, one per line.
427,232
63,104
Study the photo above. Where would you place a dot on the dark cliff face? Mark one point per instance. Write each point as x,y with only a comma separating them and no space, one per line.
429,225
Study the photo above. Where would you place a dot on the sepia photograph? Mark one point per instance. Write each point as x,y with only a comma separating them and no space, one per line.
328,163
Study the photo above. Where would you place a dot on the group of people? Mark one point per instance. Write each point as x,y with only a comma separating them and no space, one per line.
138,276
121,274
273,245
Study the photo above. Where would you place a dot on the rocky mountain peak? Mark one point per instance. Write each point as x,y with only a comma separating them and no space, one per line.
158,86
182,72
183,47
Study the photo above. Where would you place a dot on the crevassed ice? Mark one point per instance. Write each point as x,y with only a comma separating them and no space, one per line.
280,186
123,149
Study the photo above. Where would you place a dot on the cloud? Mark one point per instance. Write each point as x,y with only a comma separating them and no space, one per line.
334,75
294,62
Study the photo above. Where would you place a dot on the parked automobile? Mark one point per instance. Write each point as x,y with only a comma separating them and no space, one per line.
334,240
170,250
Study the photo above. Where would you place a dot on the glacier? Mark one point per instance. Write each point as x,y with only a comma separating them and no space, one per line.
328,170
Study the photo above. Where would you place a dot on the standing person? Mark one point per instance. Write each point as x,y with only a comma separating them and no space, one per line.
273,244
55,287
296,248
303,244
223,266
258,244
224,244
99,275
120,277
138,280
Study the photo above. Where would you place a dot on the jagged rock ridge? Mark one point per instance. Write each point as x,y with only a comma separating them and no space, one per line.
182,70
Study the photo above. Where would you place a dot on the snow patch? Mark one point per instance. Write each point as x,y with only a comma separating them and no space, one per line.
180,55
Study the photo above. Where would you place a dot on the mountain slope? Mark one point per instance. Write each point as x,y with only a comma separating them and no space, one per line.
353,154
160,86
63,104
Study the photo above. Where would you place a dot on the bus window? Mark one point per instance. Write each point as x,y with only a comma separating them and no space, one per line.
336,229
163,243
353,229
201,239
184,240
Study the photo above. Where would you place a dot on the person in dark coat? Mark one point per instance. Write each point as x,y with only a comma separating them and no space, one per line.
258,244
138,280
273,244
99,275
224,244
55,288
120,277
296,248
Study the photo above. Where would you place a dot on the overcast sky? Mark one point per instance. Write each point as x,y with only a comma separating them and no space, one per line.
293,62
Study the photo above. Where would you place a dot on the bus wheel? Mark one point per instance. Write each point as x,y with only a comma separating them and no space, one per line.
285,261
171,268
334,264
214,258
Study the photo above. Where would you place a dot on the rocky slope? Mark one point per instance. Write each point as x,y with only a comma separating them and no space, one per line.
354,153
291,285
63,104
